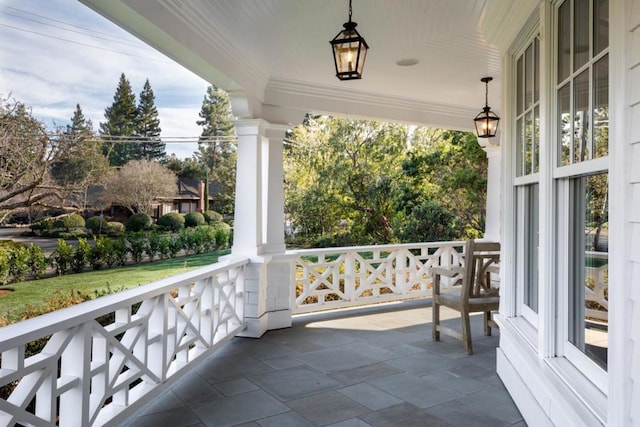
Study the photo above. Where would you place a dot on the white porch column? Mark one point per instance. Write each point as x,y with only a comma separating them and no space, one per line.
492,229
259,226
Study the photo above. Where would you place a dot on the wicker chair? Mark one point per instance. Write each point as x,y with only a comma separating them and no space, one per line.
476,294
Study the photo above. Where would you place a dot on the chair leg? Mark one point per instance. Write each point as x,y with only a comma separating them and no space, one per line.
435,320
466,332
487,328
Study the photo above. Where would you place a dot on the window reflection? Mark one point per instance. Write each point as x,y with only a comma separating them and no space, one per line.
589,292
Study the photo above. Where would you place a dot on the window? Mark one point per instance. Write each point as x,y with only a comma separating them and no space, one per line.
527,153
581,175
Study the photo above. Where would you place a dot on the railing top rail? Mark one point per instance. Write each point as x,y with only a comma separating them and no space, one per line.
49,323
374,248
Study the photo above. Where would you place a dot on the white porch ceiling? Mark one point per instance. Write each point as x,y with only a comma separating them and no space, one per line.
274,56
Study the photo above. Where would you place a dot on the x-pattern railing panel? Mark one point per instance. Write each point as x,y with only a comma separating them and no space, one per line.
104,358
331,278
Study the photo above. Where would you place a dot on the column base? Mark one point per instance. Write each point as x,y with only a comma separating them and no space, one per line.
256,327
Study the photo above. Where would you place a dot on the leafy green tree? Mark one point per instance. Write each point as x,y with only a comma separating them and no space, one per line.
338,169
217,147
186,168
121,125
82,163
150,146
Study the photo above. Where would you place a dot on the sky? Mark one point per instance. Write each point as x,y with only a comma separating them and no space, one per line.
55,54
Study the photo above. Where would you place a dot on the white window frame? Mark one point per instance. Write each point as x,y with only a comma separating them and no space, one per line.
521,182
562,176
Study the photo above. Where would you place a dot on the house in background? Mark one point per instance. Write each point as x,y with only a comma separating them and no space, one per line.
566,85
189,197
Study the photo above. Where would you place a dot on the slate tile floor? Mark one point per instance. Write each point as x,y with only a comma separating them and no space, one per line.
373,366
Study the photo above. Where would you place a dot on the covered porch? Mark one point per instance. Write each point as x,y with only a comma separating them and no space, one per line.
374,365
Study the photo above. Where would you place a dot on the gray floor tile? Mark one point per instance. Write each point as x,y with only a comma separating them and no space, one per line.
238,409
494,401
230,388
193,388
327,408
404,415
351,422
294,383
288,419
226,368
455,383
415,390
335,359
163,403
282,362
421,363
373,351
176,417
369,396
457,414
364,373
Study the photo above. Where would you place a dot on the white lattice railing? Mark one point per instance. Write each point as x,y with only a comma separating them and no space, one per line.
598,292
332,278
105,358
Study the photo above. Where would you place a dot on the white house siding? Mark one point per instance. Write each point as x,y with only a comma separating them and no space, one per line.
545,388
633,204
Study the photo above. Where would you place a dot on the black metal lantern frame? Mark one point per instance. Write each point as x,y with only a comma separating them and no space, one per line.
349,51
487,121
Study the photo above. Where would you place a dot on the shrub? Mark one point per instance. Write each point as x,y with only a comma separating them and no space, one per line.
222,236
81,256
4,266
99,252
139,222
212,217
176,244
172,221
70,221
37,261
152,248
18,265
62,257
164,249
115,228
136,245
73,234
42,226
119,251
96,225
193,219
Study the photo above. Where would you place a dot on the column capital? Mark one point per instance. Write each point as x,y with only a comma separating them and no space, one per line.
248,127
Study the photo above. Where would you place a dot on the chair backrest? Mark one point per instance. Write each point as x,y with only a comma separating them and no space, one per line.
478,257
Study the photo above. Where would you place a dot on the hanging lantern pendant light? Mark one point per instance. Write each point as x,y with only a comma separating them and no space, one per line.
349,51
487,121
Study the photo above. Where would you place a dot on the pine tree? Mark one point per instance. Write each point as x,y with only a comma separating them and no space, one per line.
148,129
79,124
121,124
217,146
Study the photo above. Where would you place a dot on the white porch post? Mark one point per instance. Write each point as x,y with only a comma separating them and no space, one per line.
259,226
493,213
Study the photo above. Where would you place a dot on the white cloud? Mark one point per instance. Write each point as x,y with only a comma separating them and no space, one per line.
51,66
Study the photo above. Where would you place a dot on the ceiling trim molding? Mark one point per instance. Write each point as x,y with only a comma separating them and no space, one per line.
299,88
505,19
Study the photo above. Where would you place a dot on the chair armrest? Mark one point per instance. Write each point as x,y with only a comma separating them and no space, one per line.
447,271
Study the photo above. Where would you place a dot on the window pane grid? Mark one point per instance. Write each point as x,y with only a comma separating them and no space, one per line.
527,108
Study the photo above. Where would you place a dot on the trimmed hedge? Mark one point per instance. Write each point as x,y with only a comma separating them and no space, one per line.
193,219
139,222
96,225
212,217
70,221
172,221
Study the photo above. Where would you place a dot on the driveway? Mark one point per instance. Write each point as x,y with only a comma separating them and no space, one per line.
48,244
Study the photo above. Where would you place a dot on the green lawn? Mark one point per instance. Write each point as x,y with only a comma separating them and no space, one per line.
12,305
